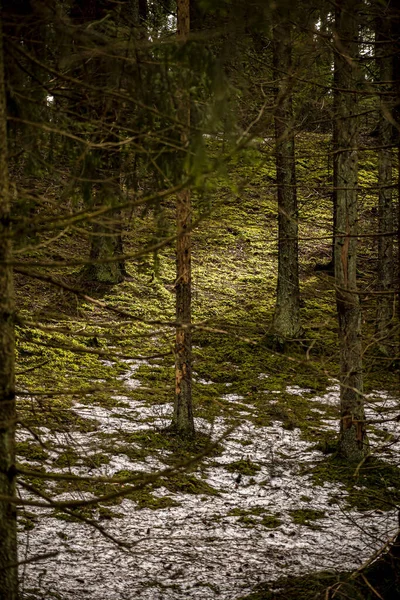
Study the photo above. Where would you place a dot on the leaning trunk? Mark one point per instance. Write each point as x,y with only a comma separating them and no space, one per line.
353,442
286,322
183,413
8,526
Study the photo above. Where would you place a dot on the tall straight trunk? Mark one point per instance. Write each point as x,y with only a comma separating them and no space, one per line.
286,321
353,441
385,211
395,27
8,523
106,240
183,422
335,158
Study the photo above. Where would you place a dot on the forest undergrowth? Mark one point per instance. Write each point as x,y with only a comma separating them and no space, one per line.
96,384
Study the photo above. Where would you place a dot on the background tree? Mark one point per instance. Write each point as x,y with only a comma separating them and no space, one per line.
385,299
116,143
101,180
353,442
182,420
286,321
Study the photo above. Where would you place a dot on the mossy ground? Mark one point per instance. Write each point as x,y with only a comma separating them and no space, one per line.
256,516
379,580
70,350
374,485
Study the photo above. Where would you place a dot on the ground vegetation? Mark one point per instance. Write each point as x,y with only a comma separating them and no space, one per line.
163,407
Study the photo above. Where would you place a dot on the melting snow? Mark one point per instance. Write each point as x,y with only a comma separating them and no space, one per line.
199,549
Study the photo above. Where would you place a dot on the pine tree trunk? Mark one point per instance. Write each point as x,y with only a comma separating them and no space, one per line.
395,30
286,321
353,441
385,212
8,524
183,422
106,239
335,158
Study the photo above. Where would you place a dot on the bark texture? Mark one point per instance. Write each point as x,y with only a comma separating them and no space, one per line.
353,441
183,421
106,240
395,27
335,157
385,304
8,524
105,244
286,321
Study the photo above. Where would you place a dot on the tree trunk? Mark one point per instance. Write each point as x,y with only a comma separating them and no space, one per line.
385,297
8,523
183,421
353,441
286,321
106,240
335,159
395,27
106,244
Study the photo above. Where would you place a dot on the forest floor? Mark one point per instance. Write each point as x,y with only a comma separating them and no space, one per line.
267,497
203,534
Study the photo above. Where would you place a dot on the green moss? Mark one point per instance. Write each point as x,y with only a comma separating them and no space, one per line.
188,484
306,516
26,520
167,444
270,521
31,451
374,485
234,283
37,483
67,458
145,499
305,499
74,517
243,466
94,461
379,580
256,516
